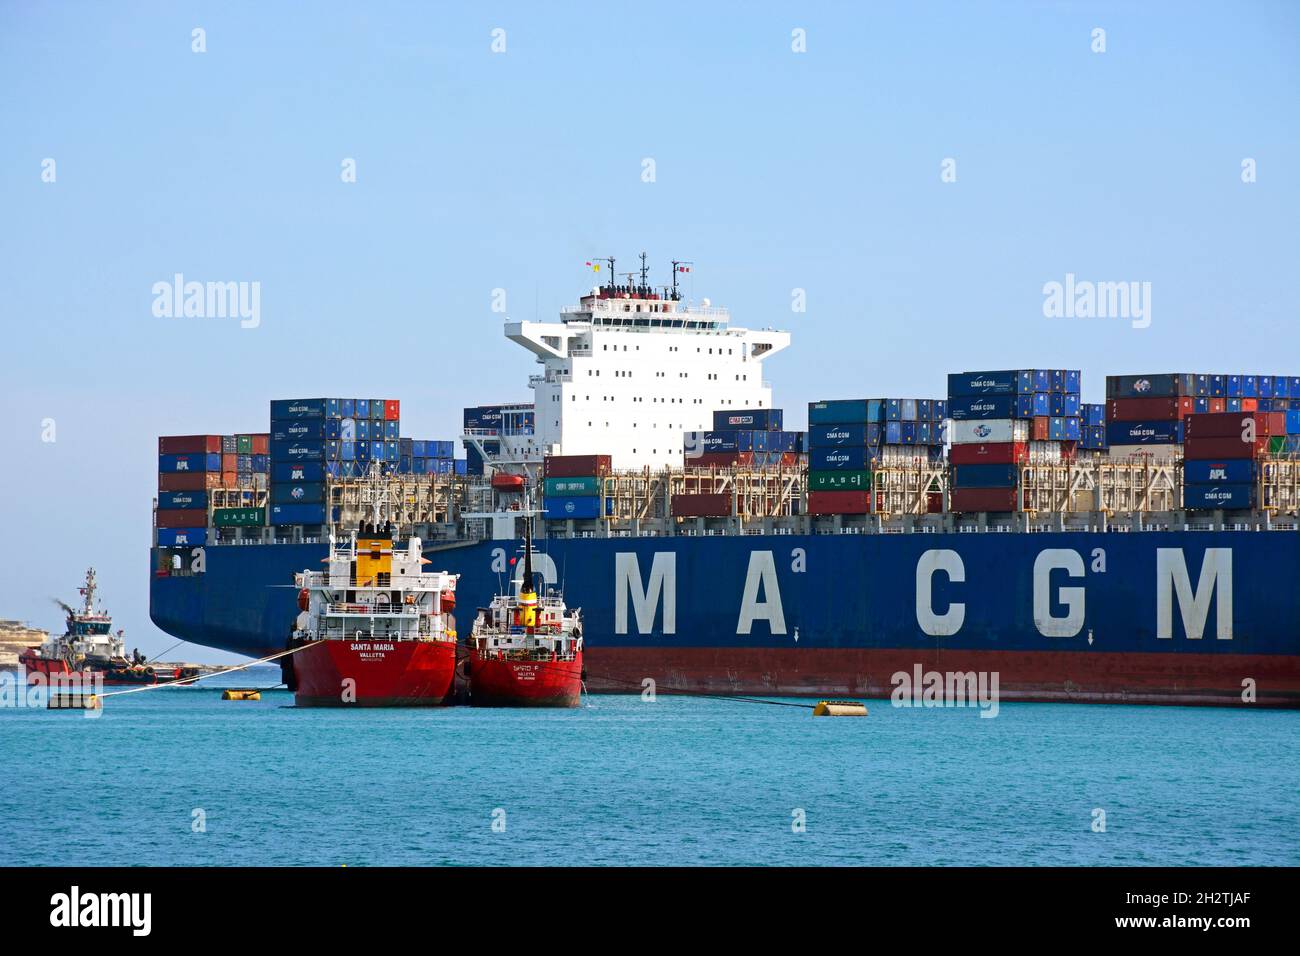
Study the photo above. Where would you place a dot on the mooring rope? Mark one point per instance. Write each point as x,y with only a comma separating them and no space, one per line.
195,680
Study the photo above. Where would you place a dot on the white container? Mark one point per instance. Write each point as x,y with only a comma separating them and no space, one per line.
986,430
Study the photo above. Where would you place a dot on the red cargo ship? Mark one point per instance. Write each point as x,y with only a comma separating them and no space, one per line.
380,631
89,651
526,650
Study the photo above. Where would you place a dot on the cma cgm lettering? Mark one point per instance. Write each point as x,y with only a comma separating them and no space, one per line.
1167,616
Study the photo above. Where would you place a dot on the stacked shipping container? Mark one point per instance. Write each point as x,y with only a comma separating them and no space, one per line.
1004,421
848,437
573,486
744,438
190,467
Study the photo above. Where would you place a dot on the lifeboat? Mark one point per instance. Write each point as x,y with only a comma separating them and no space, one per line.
504,482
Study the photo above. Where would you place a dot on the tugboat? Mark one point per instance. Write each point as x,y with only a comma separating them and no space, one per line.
381,630
526,651
88,650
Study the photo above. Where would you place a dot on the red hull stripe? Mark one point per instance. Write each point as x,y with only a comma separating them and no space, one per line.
504,683
1028,676
384,673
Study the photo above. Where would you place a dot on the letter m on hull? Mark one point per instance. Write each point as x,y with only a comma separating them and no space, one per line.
1174,583
662,587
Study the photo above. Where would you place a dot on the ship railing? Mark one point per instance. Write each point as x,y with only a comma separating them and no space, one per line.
372,610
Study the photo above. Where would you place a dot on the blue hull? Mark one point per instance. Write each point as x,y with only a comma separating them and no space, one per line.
1138,615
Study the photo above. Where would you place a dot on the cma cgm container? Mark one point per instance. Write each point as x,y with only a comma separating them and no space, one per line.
748,419
194,500
1228,497
1144,433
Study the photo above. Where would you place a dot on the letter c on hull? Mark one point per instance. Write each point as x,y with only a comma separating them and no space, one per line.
948,623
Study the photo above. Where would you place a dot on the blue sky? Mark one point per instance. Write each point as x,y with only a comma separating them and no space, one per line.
476,170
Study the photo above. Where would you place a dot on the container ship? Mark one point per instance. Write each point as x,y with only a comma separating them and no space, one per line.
1141,550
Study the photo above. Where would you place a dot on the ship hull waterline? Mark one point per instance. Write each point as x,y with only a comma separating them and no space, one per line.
504,682
348,673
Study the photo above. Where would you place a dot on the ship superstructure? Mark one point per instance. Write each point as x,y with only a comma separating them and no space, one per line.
632,368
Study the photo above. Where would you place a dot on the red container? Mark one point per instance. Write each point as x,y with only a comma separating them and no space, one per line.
576,466
1219,406
1069,450
1148,409
1249,404
721,459
188,481
229,462
392,409
1235,424
181,517
261,444
1041,429
933,502
839,502
991,453
1225,447
188,444
984,499
702,506
230,479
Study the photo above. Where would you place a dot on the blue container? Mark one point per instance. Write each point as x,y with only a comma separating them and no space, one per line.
440,466
347,408
924,410
968,408
761,419
1207,497
1293,421
1249,389
964,384
391,451
182,537
363,408
334,428
298,493
297,451
417,448
1200,406
1230,471
1293,386
459,466
909,409
925,433
714,441
361,429
907,433
1093,414
1264,384
985,476
837,411
282,409
197,500
297,471
1093,437
484,417
440,449
261,463
1144,433
1218,386
307,429
840,459
1233,389
391,430
565,508
1064,404
189,463
1073,429
297,514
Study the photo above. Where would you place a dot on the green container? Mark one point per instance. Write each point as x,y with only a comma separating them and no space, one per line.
839,481
1277,445
239,517
245,443
572,487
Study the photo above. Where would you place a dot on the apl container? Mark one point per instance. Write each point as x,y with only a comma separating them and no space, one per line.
189,463
1232,471
182,537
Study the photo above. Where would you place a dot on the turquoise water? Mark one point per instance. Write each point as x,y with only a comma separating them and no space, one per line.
622,781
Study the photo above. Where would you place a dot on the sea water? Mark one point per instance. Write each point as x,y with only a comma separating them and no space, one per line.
177,776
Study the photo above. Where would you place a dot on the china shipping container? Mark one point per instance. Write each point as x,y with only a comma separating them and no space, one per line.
572,487
1164,385
1228,447
990,430
298,493
989,453
701,505
576,508
189,444
576,466
839,502
1169,409
984,499
189,481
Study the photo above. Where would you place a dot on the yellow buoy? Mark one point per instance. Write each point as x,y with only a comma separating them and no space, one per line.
234,693
840,708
